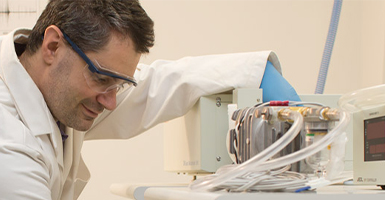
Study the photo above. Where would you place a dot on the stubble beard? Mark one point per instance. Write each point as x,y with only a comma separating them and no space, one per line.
64,102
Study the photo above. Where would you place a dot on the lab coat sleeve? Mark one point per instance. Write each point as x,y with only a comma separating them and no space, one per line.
168,89
24,173
26,178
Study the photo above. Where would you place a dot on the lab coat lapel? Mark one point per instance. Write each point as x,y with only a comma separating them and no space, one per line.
57,143
68,151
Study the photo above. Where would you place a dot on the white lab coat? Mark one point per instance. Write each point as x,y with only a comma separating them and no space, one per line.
32,162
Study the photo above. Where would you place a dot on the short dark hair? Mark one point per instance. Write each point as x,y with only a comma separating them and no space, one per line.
89,23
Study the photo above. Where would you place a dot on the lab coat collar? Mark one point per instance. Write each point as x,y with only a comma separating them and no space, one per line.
28,99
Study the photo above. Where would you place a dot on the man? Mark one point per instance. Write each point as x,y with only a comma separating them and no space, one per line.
70,78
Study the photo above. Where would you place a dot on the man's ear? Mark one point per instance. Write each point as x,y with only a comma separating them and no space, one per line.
51,43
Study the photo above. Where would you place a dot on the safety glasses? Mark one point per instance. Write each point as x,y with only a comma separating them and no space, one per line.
100,79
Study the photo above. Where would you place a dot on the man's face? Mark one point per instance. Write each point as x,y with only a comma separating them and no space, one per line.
68,96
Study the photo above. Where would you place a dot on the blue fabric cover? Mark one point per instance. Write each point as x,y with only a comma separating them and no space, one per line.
275,87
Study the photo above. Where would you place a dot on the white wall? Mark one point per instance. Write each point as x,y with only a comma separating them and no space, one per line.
295,29
22,13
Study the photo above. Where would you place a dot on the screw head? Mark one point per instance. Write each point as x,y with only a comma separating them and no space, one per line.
218,102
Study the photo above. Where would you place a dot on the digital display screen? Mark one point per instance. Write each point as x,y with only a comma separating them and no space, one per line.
374,139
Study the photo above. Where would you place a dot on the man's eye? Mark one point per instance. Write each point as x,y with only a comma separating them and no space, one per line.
102,80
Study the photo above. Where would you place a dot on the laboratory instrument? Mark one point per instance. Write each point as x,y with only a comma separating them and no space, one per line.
368,108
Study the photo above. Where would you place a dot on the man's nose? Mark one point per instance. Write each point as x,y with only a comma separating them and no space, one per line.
108,99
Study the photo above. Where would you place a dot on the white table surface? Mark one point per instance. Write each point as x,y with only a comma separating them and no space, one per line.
181,192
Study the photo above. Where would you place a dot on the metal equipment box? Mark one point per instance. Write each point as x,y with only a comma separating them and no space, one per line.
196,142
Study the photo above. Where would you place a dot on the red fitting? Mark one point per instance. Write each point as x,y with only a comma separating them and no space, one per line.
279,103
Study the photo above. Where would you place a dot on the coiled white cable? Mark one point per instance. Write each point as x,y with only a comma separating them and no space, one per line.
363,98
213,182
272,180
